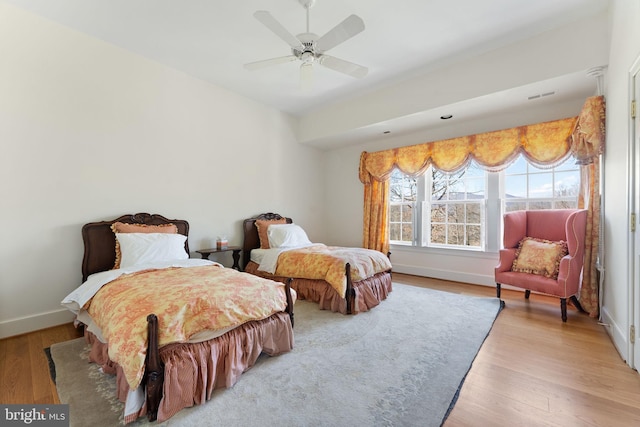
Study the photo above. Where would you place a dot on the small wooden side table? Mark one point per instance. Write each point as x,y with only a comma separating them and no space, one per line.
204,253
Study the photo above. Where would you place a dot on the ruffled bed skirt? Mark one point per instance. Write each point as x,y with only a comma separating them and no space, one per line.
369,292
193,371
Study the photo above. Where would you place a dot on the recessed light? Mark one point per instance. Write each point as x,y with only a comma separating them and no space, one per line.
446,116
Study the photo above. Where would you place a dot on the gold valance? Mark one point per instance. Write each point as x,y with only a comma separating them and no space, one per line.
542,143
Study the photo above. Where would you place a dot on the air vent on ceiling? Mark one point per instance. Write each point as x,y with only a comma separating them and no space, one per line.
541,95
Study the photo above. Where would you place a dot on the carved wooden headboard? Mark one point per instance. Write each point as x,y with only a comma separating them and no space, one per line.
100,241
251,238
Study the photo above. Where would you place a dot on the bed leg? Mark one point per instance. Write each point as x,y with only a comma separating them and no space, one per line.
154,373
287,290
350,294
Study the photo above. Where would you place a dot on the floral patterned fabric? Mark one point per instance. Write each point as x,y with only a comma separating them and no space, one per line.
328,263
539,256
588,136
185,300
375,233
542,143
590,199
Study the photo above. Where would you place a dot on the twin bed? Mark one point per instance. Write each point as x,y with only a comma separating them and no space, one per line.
178,328
344,280
152,350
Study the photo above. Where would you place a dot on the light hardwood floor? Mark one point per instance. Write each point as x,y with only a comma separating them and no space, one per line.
535,370
532,370
24,370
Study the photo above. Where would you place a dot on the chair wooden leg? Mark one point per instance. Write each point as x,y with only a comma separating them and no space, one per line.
498,290
563,308
576,304
527,293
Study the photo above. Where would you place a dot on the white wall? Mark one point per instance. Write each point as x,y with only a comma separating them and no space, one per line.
625,48
90,132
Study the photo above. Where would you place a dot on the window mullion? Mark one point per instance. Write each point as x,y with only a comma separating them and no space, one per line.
493,211
418,235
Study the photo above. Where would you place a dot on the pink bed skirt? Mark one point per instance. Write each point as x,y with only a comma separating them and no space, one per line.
194,371
369,292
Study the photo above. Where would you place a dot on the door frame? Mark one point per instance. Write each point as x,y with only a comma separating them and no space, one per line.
633,348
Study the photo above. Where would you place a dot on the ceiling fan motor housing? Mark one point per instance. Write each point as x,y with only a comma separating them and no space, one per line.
308,51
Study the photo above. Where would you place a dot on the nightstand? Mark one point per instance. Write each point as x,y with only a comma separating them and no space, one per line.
204,253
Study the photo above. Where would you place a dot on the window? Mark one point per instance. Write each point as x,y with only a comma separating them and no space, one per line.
456,206
528,187
450,210
402,207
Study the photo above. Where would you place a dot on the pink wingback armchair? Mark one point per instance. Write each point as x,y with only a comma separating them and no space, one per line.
568,225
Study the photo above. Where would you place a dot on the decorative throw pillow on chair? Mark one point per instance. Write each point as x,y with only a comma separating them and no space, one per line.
539,256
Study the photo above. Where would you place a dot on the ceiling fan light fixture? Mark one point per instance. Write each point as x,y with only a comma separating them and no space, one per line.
306,76
307,57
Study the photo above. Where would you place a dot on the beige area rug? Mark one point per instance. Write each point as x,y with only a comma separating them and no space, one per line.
400,364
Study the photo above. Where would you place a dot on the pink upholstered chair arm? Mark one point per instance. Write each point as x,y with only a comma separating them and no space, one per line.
575,226
569,276
506,260
570,272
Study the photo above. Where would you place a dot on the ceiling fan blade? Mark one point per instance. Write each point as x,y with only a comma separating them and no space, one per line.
348,28
342,66
306,75
270,22
269,62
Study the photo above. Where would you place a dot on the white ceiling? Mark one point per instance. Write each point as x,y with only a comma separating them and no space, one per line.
212,39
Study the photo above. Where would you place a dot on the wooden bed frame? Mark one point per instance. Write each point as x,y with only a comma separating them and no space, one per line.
252,241
99,255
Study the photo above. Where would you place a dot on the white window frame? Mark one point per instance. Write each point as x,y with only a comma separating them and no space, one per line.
427,218
414,222
492,210
529,200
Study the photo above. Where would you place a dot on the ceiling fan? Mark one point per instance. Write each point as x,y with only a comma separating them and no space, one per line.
310,49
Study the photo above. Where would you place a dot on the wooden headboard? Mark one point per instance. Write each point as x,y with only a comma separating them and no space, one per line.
251,239
100,241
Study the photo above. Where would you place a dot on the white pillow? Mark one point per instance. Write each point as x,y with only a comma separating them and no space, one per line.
287,235
145,248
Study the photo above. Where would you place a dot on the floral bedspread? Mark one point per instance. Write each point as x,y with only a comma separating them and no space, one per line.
328,263
185,300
